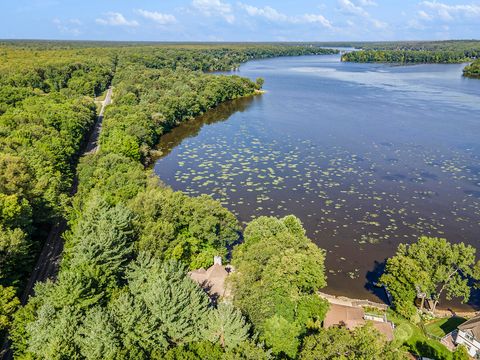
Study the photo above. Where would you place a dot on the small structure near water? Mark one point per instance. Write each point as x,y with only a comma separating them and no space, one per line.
349,313
212,280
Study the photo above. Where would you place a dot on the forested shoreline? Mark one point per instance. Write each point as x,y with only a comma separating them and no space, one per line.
406,56
123,290
442,52
47,110
472,70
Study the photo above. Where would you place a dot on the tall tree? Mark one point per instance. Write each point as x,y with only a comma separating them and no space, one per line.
334,343
279,271
9,303
226,326
431,265
97,337
176,303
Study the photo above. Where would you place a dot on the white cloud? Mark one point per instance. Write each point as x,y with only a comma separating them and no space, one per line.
423,15
215,8
415,24
450,12
116,19
367,3
159,18
70,26
315,18
379,24
266,12
272,14
350,8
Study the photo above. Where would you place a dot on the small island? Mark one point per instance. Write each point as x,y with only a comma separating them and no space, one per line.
436,52
472,70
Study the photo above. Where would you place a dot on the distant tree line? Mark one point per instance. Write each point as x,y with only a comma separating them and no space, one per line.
415,52
408,56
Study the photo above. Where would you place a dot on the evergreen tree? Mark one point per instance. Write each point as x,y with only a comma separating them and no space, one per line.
226,326
97,337
178,305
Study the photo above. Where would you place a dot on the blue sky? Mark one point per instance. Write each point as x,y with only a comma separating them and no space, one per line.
242,20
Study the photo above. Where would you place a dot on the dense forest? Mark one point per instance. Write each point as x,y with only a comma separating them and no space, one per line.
443,52
47,109
123,290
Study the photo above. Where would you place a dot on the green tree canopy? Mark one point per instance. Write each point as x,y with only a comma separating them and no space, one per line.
279,271
337,343
430,265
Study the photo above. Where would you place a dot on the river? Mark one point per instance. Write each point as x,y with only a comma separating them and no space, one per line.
366,155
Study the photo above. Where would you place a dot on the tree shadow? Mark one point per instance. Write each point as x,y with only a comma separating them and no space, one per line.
452,323
423,348
372,278
189,129
474,300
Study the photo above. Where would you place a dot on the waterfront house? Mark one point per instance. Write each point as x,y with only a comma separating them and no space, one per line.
468,334
354,316
212,280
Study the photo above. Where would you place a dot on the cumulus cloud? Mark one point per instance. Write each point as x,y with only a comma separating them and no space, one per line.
116,19
314,18
272,14
215,8
70,26
159,18
266,12
450,12
350,8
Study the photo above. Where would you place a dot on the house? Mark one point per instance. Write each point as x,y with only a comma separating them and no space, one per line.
468,334
213,279
354,316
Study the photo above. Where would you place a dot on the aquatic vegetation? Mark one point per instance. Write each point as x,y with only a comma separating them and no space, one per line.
340,195
357,201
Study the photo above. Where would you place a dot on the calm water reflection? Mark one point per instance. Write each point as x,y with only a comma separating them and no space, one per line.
367,155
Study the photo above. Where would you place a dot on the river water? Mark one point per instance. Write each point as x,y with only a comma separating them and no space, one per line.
366,155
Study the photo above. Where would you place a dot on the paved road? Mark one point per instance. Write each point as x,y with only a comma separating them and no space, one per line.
93,146
49,259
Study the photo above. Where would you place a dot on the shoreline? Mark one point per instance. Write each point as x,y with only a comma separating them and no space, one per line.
440,311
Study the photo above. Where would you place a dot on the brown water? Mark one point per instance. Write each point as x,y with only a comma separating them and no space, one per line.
366,155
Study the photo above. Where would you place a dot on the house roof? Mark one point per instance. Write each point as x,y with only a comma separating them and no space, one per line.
344,315
473,326
212,279
352,317
216,271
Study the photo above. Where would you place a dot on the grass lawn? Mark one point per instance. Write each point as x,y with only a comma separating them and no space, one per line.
412,336
442,327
